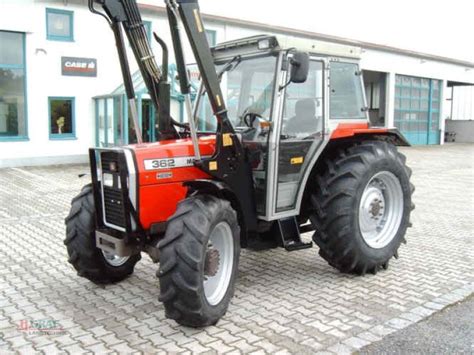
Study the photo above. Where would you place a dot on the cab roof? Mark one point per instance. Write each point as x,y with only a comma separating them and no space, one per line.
272,43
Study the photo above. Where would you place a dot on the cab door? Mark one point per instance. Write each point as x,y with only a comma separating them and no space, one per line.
301,133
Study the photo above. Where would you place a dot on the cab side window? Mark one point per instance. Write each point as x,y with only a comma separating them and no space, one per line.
303,111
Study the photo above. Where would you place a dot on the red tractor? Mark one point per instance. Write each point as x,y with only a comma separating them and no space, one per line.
291,152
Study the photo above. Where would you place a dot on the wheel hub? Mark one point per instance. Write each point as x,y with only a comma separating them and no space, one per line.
211,266
376,207
114,260
381,209
218,263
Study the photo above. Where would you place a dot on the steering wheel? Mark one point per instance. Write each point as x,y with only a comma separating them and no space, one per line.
249,118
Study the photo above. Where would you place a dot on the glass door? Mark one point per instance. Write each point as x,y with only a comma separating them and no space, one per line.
148,121
101,132
109,122
118,121
301,133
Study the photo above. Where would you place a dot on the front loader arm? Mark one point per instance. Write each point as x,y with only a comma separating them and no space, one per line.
229,163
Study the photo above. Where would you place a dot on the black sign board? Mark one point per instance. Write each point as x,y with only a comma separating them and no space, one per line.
73,66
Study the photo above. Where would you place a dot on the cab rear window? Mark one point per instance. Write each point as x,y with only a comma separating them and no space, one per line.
346,99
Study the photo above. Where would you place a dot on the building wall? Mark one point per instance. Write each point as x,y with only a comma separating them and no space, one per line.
460,131
93,39
463,103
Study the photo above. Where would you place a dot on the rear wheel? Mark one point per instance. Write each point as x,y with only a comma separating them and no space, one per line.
91,262
199,258
361,207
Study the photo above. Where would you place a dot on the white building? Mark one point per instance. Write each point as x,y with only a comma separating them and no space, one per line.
60,81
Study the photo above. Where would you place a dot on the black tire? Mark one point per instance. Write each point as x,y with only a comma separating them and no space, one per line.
86,258
335,206
182,260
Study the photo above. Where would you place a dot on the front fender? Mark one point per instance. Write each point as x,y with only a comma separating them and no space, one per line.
222,190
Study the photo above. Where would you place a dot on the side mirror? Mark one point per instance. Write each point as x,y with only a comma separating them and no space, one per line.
299,67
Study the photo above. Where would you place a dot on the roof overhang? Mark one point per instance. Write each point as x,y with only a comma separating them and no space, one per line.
271,43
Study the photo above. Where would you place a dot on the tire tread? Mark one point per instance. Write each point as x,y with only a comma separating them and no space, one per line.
179,269
333,191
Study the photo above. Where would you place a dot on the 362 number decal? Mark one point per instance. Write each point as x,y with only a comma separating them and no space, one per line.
163,163
168,163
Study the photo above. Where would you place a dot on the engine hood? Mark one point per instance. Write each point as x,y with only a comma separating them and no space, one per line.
171,160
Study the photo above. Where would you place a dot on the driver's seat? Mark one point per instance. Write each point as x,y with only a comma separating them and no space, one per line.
304,120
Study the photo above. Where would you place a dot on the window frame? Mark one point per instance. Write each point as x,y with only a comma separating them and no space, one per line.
24,137
69,13
63,136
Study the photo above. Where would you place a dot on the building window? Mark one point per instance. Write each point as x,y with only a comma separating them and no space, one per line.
13,120
59,25
148,29
61,118
211,37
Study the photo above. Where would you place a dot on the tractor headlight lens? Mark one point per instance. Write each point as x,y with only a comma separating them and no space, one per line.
108,180
264,44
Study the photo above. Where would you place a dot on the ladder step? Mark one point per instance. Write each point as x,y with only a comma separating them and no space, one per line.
293,246
290,234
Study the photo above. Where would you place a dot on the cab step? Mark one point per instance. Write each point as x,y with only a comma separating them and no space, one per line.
290,234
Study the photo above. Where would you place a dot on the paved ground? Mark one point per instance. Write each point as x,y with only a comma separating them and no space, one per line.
450,331
284,302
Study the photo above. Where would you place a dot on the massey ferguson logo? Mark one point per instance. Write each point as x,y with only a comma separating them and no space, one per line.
73,66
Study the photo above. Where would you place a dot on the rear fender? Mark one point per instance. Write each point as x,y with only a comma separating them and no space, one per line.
361,131
391,135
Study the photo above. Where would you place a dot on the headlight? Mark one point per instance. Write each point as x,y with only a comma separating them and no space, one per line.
264,44
108,180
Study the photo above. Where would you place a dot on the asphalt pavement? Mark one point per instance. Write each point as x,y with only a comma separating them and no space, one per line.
450,331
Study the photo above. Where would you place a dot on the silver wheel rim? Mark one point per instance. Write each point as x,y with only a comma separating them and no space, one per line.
114,260
381,210
221,243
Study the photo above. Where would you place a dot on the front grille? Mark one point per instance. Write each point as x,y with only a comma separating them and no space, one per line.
109,160
113,205
112,195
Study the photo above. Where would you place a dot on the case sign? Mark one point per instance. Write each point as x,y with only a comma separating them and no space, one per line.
73,66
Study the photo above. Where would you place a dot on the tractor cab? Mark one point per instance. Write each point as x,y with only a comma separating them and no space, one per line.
284,97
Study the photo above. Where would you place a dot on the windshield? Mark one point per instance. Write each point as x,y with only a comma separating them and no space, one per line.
246,87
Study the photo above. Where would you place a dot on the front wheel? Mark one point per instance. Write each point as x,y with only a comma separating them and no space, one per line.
361,207
199,258
89,261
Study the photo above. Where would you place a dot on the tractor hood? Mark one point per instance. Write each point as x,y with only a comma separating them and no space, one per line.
171,160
